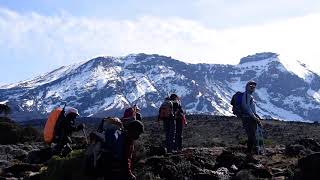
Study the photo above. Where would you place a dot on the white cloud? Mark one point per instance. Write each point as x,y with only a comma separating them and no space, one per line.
247,12
64,39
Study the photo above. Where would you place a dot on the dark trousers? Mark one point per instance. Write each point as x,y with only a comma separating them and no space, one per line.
169,128
63,146
113,169
250,126
178,136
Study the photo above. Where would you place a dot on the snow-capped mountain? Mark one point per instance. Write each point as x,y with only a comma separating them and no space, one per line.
105,86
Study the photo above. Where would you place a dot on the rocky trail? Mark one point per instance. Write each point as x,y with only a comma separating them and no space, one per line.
213,149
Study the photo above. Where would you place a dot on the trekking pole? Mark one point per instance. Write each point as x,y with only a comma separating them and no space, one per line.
85,135
262,144
259,138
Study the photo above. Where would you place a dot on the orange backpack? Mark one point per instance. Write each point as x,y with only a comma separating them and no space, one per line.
49,129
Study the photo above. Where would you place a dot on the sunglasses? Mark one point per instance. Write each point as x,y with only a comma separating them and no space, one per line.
252,85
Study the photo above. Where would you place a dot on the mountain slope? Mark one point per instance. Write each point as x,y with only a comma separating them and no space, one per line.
104,86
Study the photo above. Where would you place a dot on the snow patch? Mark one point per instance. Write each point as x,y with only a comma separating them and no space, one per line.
274,110
29,103
4,102
314,94
300,70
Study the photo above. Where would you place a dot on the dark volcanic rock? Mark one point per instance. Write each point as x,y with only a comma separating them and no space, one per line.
18,170
39,156
303,146
295,150
156,151
310,143
310,166
4,163
246,174
227,159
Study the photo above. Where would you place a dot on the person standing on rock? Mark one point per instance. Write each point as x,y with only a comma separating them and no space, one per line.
249,117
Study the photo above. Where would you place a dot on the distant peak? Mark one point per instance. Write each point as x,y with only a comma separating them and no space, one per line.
258,57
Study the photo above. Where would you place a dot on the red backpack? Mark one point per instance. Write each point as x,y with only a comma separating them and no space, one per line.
129,113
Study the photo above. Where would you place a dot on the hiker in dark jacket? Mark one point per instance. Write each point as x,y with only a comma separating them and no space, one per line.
249,117
178,117
172,122
167,117
120,145
64,129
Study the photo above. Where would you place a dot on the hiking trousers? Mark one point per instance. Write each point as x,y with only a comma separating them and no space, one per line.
178,135
250,126
169,128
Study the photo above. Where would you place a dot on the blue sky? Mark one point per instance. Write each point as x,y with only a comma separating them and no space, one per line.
37,36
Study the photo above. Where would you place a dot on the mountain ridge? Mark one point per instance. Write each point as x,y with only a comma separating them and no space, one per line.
106,85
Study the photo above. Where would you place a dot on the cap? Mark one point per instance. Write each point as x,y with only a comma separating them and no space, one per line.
71,110
173,96
251,82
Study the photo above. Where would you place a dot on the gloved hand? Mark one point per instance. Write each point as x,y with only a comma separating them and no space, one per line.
259,122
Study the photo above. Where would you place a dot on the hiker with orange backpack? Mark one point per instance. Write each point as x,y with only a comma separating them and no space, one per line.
64,129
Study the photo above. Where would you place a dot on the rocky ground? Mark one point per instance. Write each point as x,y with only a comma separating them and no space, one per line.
213,149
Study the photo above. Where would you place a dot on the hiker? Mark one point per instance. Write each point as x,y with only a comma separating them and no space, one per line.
249,117
171,114
179,121
63,131
119,147
138,114
109,123
129,114
94,164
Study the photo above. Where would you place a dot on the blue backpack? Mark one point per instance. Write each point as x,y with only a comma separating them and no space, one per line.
236,102
108,147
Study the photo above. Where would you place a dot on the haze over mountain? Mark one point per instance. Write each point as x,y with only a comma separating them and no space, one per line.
105,86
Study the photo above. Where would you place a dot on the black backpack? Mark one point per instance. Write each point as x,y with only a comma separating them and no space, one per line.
236,102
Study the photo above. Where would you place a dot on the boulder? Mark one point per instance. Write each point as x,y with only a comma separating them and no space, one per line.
156,151
220,174
246,174
39,156
310,166
20,169
4,164
228,158
19,154
295,150
309,143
